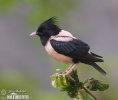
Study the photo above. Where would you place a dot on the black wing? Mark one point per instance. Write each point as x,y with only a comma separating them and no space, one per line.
74,48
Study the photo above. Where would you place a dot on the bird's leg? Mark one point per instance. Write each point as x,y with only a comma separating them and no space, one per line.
69,69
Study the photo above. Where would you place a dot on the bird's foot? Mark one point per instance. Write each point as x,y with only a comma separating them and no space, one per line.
66,73
69,70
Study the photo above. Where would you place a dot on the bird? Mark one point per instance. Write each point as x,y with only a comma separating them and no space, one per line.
63,46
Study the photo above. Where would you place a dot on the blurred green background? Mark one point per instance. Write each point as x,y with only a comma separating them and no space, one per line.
25,65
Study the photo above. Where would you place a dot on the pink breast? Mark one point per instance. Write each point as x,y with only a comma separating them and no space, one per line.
56,55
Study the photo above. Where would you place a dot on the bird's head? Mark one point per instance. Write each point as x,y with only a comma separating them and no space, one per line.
47,29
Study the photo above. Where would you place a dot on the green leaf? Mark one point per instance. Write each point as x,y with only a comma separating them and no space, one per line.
59,81
95,85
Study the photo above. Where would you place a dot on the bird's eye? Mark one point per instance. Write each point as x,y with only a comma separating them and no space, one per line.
41,34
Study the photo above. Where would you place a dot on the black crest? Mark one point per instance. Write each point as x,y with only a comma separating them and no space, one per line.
52,20
49,26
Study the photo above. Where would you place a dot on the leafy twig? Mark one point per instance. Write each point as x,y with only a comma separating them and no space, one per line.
76,89
89,93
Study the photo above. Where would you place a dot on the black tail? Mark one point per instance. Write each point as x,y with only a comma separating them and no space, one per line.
93,58
96,55
98,68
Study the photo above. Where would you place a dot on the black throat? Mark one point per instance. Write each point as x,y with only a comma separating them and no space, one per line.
47,33
44,40
47,29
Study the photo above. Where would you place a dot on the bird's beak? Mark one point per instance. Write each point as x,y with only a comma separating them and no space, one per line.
32,34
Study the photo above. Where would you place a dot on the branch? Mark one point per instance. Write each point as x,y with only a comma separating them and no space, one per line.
76,89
